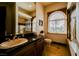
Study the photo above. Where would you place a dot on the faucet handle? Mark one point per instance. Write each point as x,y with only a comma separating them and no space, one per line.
10,34
14,37
22,35
7,39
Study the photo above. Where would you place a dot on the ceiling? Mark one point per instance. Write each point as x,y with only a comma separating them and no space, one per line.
50,3
29,6
47,3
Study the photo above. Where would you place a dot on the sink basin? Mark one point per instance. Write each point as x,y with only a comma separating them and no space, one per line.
13,43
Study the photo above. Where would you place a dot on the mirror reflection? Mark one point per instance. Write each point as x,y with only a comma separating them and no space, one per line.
26,13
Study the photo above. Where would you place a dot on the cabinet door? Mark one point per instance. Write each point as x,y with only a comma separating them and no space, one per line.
39,46
28,50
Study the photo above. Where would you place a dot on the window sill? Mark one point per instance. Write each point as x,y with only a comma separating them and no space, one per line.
56,33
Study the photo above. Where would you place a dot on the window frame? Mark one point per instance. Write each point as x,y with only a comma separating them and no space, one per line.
70,10
48,14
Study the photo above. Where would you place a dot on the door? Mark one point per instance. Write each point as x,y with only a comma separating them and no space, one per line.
2,23
2,20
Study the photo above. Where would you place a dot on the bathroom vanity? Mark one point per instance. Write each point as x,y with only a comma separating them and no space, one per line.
33,46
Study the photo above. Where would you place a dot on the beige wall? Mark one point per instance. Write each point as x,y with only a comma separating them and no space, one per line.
61,38
39,16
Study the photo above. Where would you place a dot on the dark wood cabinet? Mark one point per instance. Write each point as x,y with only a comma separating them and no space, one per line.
33,49
26,51
39,47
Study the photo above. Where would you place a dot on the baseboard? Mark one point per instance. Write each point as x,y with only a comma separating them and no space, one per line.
59,43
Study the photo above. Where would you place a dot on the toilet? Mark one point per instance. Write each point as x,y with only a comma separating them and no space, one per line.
48,42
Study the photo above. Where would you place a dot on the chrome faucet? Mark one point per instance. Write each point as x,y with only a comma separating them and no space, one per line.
14,37
8,39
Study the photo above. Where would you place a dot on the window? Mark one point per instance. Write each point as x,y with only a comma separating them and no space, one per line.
56,22
73,25
34,29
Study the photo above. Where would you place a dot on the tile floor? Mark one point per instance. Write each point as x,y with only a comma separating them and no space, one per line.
56,50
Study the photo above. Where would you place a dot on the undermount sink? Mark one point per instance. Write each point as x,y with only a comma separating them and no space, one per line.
13,43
